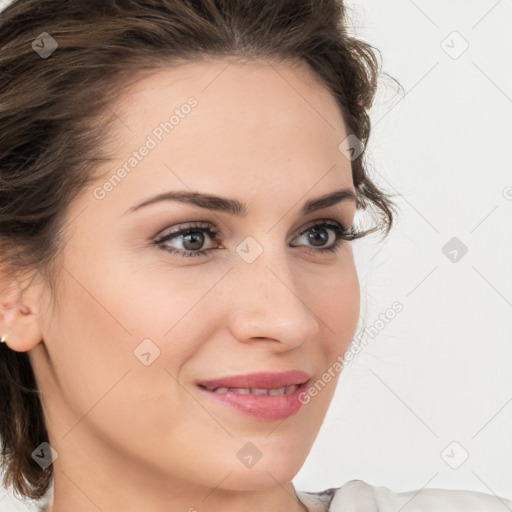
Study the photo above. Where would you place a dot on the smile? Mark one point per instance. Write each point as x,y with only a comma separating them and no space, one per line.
267,396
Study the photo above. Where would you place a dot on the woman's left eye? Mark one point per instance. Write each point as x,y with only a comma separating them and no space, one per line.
326,235
318,234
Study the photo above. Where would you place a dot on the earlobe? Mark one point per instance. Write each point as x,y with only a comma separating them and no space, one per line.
18,316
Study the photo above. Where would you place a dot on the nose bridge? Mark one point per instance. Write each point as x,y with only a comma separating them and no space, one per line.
267,301
268,268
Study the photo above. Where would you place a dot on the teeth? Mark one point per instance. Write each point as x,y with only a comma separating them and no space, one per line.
242,391
257,391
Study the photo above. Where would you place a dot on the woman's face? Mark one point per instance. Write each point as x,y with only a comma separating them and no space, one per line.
138,325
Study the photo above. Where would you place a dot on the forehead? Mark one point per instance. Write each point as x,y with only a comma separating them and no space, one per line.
228,129
266,97
258,110
235,81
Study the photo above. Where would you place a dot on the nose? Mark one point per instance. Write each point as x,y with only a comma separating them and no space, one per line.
269,303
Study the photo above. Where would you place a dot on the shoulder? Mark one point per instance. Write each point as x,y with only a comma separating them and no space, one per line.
358,496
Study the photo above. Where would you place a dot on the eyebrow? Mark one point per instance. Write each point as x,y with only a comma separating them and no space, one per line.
234,207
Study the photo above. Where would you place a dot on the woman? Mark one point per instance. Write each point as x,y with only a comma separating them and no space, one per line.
179,186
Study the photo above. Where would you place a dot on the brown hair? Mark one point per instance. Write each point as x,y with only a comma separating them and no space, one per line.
52,114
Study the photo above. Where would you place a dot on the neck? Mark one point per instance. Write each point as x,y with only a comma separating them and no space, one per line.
77,496
101,479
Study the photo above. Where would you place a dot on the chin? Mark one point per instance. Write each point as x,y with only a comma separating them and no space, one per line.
263,478
268,472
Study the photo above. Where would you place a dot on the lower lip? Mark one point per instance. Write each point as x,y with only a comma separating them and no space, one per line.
265,407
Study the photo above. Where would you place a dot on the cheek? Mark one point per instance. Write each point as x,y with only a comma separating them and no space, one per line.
337,304
115,318
101,386
156,298
100,340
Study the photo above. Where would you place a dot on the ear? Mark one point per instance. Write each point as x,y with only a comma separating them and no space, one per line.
19,310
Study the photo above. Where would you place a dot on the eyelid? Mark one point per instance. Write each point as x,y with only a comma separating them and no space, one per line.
184,226
315,222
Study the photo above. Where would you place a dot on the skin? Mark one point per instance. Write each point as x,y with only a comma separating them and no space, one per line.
133,437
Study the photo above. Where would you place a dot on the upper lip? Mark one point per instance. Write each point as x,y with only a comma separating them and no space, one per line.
263,380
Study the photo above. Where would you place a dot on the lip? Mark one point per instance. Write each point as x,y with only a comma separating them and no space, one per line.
266,380
263,407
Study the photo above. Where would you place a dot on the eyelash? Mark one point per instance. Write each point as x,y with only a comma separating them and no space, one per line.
341,233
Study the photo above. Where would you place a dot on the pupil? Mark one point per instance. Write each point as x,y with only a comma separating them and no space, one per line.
196,241
318,235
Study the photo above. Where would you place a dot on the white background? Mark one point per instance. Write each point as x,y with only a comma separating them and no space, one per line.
441,370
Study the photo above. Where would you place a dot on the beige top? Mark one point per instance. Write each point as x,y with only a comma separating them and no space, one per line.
358,496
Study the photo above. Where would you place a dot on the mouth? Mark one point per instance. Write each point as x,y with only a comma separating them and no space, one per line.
265,395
